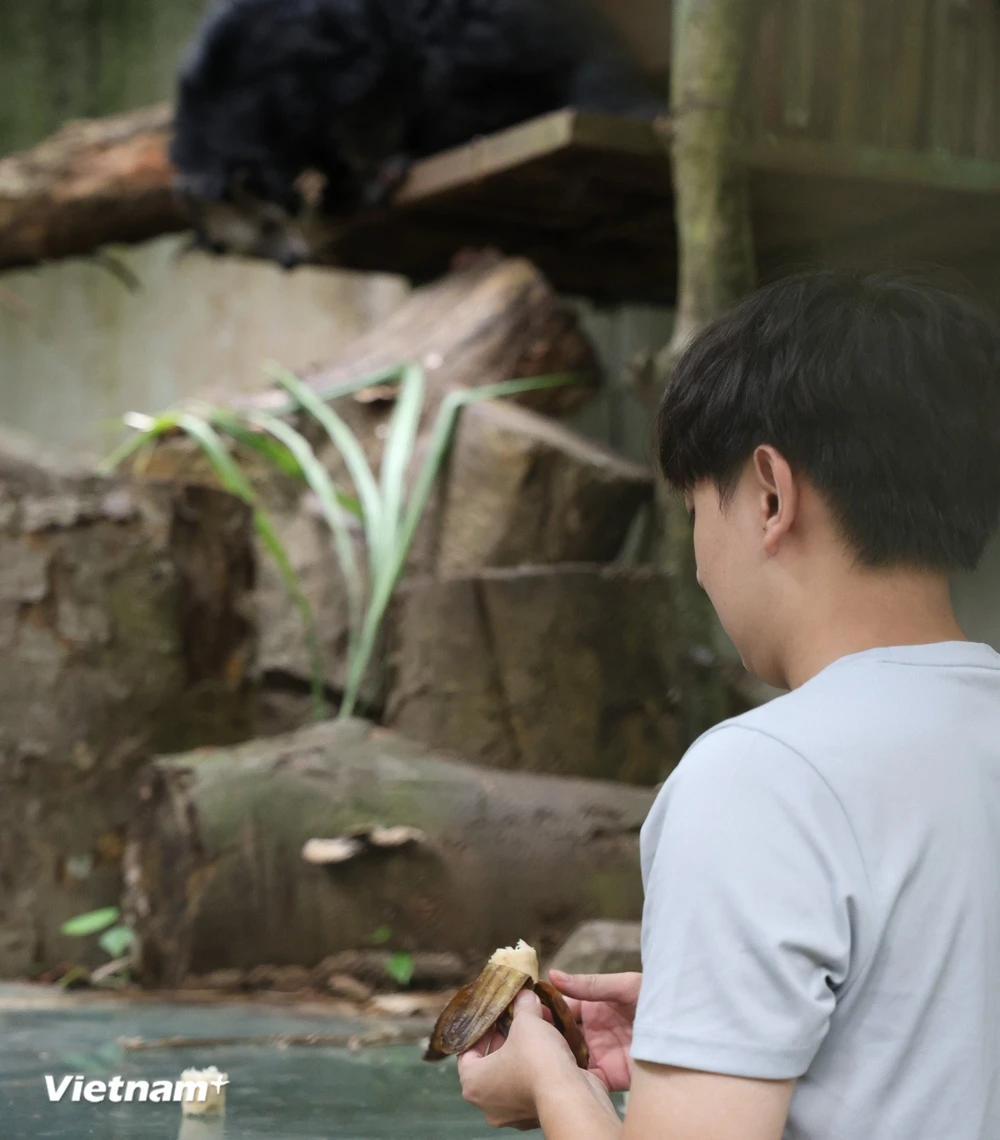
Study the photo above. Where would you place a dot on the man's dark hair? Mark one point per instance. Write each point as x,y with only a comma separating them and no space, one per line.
883,391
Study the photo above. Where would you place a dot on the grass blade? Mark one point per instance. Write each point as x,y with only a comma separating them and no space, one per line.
440,441
390,571
398,453
322,486
278,454
123,451
233,480
336,391
346,442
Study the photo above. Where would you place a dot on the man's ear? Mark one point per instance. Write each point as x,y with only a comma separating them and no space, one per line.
778,495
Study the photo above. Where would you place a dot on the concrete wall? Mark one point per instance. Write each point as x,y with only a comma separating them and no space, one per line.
86,348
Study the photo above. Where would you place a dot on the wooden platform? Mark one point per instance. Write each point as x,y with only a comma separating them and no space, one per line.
586,197
589,199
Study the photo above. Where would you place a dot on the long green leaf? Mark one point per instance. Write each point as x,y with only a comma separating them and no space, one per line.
336,391
247,430
123,451
322,486
92,922
277,455
233,480
440,441
389,571
396,457
346,442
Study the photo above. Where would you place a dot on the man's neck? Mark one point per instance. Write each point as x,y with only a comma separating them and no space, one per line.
868,610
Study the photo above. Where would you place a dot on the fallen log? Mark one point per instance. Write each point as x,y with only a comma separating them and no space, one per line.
92,182
570,670
123,632
215,877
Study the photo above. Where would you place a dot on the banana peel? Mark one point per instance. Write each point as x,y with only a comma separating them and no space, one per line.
487,1001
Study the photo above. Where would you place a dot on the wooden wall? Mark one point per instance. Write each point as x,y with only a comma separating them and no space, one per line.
915,75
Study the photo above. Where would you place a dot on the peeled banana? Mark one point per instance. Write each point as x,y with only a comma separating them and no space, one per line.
487,1001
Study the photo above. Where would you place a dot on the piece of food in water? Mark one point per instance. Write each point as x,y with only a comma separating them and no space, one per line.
210,1082
487,1001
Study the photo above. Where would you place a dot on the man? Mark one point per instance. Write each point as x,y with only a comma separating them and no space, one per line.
821,931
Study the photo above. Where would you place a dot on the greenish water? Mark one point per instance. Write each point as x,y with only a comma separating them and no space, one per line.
295,1093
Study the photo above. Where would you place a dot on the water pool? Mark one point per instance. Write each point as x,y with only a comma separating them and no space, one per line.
276,1093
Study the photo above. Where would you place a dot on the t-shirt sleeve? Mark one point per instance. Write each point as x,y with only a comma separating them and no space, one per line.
751,899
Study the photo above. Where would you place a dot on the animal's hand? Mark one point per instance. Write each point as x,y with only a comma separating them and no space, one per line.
604,1004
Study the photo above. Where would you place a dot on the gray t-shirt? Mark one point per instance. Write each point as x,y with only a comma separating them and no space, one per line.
822,882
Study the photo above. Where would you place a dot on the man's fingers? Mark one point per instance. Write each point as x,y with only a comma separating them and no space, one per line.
575,1007
488,1043
598,987
527,1004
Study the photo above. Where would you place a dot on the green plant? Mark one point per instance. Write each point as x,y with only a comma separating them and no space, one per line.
389,518
400,968
115,938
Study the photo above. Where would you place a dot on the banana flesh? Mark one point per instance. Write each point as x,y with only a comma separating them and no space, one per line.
480,1005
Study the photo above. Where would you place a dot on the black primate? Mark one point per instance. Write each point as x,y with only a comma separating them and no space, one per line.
356,89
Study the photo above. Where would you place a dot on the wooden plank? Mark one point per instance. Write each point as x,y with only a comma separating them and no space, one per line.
985,122
846,127
908,112
800,39
595,210
593,139
526,143
875,78
764,113
934,171
963,62
942,85
825,96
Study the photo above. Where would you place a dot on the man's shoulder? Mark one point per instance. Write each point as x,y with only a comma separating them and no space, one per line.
793,740
846,702
866,723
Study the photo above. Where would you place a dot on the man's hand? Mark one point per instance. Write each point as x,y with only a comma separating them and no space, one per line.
604,1004
510,1079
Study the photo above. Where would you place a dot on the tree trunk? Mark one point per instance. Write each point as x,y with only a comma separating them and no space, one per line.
716,264
216,877
709,75
124,632
94,181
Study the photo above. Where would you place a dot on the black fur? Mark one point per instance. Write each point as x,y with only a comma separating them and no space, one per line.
356,89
